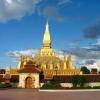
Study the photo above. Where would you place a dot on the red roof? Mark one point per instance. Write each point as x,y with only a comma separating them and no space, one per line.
30,62
30,67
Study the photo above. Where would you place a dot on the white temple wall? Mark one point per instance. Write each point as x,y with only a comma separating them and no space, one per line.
23,76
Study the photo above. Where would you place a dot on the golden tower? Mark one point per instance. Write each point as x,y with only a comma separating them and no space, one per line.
46,50
50,63
46,39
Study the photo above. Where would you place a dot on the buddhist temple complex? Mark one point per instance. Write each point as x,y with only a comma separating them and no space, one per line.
49,61
32,72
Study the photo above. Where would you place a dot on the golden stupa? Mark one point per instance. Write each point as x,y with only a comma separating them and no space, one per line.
49,61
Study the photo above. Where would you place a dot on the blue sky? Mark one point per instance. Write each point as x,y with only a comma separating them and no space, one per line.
74,27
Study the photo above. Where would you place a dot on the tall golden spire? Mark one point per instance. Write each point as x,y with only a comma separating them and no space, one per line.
46,39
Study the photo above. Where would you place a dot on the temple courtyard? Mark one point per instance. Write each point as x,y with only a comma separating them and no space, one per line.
32,94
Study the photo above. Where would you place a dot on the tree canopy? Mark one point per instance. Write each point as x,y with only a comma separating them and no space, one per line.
85,70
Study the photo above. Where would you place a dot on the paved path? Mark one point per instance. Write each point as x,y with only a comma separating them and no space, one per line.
30,94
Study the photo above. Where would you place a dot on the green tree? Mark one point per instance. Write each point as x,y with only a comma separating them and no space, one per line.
78,81
85,70
14,79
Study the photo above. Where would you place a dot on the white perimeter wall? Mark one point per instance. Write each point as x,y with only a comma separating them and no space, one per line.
92,84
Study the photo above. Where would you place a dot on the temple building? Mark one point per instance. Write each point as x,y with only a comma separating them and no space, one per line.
29,75
49,61
46,62
34,72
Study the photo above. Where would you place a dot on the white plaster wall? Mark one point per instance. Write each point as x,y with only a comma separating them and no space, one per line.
66,85
21,81
92,84
36,80
62,84
23,76
41,84
86,84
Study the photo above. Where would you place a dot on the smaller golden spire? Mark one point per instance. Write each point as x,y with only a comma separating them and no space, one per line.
69,61
70,57
21,61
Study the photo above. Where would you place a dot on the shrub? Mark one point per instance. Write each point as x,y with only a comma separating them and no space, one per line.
2,85
14,79
88,87
96,87
14,85
7,85
78,81
51,85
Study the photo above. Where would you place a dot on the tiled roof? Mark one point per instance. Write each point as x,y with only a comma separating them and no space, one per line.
30,67
30,62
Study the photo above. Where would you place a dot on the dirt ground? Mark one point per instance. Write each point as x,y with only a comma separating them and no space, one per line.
30,94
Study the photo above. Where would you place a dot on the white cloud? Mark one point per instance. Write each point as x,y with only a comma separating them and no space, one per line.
98,42
28,52
62,2
95,65
16,9
88,56
78,61
9,1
